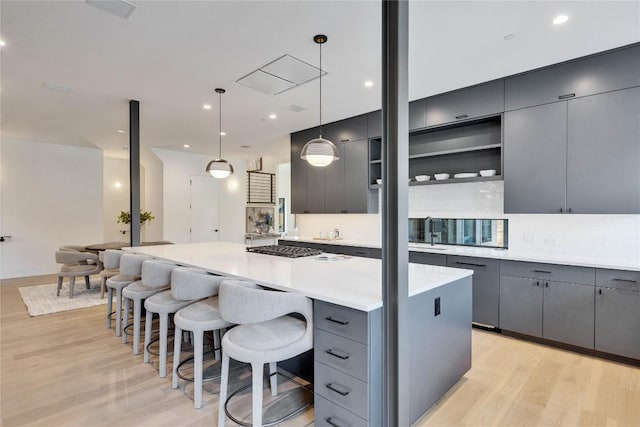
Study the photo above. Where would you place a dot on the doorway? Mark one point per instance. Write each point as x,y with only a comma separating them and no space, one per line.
204,209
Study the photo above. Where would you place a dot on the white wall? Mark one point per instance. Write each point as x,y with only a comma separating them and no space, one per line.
51,195
153,194
116,199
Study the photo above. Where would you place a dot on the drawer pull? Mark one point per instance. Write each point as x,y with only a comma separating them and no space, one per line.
625,280
339,356
471,264
541,271
567,96
340,392
339,322
331,422
462,116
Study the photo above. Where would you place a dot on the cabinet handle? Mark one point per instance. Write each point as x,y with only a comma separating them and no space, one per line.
330,422
305,212
625,280
567,96
471,264
332,388
339,322
599,291
339,356
541,271
569,210
561,210
546,284
462,116
537,283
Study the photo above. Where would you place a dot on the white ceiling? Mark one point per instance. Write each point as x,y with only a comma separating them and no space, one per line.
170,55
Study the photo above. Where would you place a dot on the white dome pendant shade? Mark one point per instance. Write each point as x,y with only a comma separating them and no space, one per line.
320,152
219,168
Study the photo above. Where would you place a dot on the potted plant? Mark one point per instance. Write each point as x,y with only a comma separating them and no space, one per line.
125,218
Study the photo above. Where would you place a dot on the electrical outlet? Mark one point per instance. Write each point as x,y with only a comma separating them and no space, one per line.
436,306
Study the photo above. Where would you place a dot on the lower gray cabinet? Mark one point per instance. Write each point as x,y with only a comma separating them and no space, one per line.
428,258
486,287
568,313
617,320
521,305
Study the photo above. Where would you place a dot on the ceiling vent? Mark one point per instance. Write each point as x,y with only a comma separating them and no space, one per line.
119,8
56,87
296,108
280,75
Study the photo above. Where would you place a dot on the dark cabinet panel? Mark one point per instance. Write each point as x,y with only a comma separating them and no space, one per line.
315,189
521,305
619,279
535,159
617,322
603,168
355,184
588,76
544,271
299,169
568,313
427,258
486,287
351,129
334,184
417,114
374,124
477,101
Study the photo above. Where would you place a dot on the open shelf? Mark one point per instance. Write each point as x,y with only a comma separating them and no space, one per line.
448,181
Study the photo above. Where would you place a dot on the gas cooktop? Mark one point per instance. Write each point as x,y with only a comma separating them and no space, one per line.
284,251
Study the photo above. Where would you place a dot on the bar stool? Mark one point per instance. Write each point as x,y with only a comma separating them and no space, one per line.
111,267
266,334
197,318
130,271
156,277
164,304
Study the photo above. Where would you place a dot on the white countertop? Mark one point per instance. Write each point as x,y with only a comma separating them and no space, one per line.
354,282
506,254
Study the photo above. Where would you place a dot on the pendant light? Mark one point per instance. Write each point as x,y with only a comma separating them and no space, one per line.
219,168
319,152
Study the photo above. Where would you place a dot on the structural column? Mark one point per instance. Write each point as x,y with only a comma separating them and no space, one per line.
134,171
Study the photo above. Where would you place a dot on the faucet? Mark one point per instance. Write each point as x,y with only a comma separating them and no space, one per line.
430,228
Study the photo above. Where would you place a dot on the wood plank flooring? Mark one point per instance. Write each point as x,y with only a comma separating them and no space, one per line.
67,369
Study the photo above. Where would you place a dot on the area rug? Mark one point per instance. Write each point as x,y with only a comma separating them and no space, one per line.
42,299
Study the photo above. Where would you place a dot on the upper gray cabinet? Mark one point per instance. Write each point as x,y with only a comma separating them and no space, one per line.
351,129
374,124
299,169
417,119
597,74
473,102
603,169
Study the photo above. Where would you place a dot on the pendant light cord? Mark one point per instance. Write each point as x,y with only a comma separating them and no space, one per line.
320,90
220,124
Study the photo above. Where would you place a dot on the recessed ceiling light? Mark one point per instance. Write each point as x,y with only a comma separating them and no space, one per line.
273,116
368,83
223,133
206,107
122,131
186,145
117,185
2,43
560,19
510,37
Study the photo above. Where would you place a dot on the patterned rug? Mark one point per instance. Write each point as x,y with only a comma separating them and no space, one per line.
42,299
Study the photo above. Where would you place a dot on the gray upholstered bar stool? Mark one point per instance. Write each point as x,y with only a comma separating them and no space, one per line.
130,271
197,318
76,264
266,334
111,267
164,304
156,277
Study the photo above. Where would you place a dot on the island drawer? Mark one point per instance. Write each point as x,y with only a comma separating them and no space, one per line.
341,389
618,279
341,353
343,321
328,414
559,273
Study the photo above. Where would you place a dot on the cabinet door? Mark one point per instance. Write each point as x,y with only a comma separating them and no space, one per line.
618,322
427,258
486,287
374,124
355,184
334,184
521,305
477,101
535,159
417,116
603,167
315,189
351,129
299,169
597,74
568,313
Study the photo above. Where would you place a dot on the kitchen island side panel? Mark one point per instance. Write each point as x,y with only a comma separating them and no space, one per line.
440,344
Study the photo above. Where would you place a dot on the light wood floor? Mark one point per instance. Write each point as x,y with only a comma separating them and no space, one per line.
67,369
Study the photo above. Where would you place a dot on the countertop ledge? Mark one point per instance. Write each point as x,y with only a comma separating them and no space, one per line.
505,254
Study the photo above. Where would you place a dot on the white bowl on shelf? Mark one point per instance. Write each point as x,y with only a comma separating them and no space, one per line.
488,172
466,175
378,181
421,178
441,176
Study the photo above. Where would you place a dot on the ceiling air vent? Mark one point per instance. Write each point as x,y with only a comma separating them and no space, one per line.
119,8
280,75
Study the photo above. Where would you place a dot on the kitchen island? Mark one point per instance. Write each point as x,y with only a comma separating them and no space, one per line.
348,323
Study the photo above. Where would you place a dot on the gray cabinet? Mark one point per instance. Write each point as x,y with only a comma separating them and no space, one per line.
334,183
299,170
587,76
356,179
351,129
477,101
486,287
617,312
603,172
427,258
417,114
374,124
560,310
535,159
